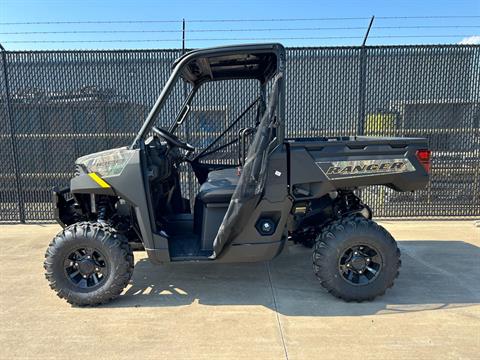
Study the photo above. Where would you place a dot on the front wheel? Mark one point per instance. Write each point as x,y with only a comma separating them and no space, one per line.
356,259
88,263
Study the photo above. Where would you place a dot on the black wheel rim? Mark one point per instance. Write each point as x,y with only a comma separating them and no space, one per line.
360,265
86,267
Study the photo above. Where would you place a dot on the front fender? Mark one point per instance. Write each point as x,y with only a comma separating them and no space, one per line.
91,183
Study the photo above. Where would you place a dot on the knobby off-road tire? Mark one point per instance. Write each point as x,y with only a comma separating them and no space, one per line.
101,256
346,275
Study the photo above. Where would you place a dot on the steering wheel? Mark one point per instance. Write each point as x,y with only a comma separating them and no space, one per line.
173,139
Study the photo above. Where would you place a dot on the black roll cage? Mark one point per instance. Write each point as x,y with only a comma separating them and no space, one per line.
257,61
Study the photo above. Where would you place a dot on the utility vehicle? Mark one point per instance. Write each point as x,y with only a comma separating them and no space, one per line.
248,202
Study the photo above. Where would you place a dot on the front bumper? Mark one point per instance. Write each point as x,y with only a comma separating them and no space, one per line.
65,207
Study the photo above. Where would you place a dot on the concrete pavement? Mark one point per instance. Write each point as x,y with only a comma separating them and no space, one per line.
269,310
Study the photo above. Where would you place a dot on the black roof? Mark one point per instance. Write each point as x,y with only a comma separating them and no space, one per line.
253,61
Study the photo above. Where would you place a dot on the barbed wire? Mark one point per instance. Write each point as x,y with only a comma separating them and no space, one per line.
236,20
239,30
429,17
234,39
387,29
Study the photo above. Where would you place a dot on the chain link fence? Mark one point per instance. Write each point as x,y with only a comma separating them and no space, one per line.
58,105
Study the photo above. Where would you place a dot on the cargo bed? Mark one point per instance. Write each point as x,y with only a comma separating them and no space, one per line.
320,165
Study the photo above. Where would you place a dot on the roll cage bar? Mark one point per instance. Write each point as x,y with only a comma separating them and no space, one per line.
256,61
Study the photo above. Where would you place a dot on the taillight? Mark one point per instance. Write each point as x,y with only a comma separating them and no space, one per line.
424,157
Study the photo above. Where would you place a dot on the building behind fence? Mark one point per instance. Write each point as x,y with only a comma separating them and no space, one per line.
57,106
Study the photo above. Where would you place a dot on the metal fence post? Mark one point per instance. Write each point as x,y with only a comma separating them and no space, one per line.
362,93
14,153
183,36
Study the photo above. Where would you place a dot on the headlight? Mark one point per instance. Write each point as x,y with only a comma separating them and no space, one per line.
106,163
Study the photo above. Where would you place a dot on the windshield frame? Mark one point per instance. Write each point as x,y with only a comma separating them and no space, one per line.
181,63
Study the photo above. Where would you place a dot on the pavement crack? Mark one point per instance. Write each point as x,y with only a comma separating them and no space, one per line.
280,328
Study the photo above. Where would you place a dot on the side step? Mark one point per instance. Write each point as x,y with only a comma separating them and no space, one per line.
196,258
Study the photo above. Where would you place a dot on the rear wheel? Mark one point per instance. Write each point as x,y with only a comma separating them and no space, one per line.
356,259
88,263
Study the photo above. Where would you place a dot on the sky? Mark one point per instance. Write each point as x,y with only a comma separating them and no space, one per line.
145,24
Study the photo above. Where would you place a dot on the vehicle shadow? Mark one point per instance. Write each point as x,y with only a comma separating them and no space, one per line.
434,275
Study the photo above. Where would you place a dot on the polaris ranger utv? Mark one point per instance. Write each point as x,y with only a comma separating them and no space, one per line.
246,207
